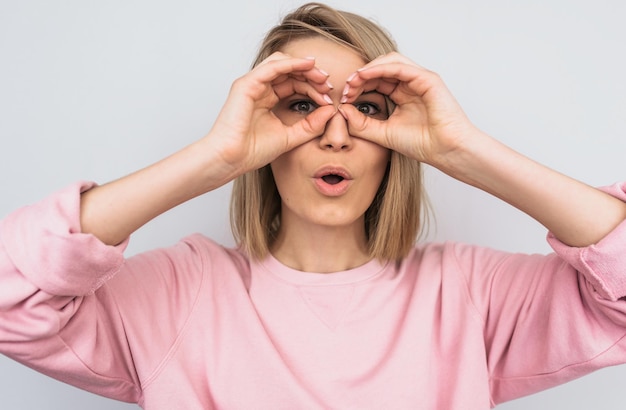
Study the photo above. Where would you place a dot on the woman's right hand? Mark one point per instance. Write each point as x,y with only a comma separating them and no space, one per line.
247,135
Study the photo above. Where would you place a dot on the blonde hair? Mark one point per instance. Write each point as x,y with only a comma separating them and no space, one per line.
394,219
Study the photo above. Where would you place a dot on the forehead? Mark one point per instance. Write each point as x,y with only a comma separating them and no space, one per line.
329,56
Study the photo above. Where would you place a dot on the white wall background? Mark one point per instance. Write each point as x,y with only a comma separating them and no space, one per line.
97,89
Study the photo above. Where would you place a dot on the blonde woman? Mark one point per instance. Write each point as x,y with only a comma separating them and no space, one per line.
327,302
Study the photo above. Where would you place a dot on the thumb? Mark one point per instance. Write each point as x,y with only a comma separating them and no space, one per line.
311,126
362,126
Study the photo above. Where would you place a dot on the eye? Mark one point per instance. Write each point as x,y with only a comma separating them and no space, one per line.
368,108
303,106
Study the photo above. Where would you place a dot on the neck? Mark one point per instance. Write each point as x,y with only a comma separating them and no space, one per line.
322,249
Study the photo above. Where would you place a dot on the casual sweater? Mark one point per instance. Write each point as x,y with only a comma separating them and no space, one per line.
201,326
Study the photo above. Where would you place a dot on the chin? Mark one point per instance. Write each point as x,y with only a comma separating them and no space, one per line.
337,219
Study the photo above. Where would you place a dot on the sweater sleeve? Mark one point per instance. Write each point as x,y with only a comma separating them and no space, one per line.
551,318
603,264
75,309
49,274
45,244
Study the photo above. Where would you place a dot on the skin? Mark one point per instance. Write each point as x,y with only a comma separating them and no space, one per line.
255,128
429,126
313,224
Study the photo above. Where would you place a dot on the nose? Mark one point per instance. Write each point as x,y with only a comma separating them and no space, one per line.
336,136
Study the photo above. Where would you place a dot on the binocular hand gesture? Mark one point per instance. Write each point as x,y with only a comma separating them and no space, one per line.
247,135
426,123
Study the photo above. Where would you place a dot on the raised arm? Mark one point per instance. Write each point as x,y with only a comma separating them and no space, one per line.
56,314
575,213
429,126
245,136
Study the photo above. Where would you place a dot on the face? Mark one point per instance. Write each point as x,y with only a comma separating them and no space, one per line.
330,180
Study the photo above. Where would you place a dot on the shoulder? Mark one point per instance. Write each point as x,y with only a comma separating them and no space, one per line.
454,257
219,262
448,250
208,251
190,260
200,253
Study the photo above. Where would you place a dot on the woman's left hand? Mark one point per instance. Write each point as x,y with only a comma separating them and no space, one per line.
428,125
427,122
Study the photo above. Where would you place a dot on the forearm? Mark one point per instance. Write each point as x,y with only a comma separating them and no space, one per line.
577,214
115,210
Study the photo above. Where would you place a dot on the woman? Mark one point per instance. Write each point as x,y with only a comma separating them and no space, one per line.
327,303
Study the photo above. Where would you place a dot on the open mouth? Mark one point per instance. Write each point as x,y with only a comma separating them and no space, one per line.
332,179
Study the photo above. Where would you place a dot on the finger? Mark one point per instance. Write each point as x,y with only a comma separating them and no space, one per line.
285,84
414,79
259,83
365,127
292,87
311,126
299,68
314,76
397,70
393,57
382,85
277,68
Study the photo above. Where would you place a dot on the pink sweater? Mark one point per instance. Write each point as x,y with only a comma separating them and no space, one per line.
198,326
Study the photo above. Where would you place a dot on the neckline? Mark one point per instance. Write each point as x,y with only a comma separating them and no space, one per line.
284,273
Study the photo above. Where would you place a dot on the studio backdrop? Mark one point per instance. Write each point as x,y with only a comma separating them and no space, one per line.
93,90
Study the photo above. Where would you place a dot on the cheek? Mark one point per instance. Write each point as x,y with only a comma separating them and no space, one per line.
379,169
380,162
374,177
283,168
279,171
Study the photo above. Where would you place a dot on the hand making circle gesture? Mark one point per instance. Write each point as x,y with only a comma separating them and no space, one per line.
427,121
247,135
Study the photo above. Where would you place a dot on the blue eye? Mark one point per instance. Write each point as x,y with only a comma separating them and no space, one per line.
303,106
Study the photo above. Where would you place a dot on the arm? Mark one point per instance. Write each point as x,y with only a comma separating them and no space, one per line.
56,314
71,307
429,126
57,247
545,319
575,213
245,136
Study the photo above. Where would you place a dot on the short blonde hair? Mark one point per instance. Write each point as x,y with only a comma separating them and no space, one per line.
394,219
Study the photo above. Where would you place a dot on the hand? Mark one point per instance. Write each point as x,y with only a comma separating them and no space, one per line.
427,122
247,135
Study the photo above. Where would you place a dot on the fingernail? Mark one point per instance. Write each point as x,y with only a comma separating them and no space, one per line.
330,85
323,72
328,99
343,100
309,58
351,77
345,89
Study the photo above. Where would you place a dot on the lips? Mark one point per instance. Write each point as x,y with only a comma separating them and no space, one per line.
332,181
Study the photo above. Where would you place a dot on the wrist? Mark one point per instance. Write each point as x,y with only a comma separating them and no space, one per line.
201,168
465,154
